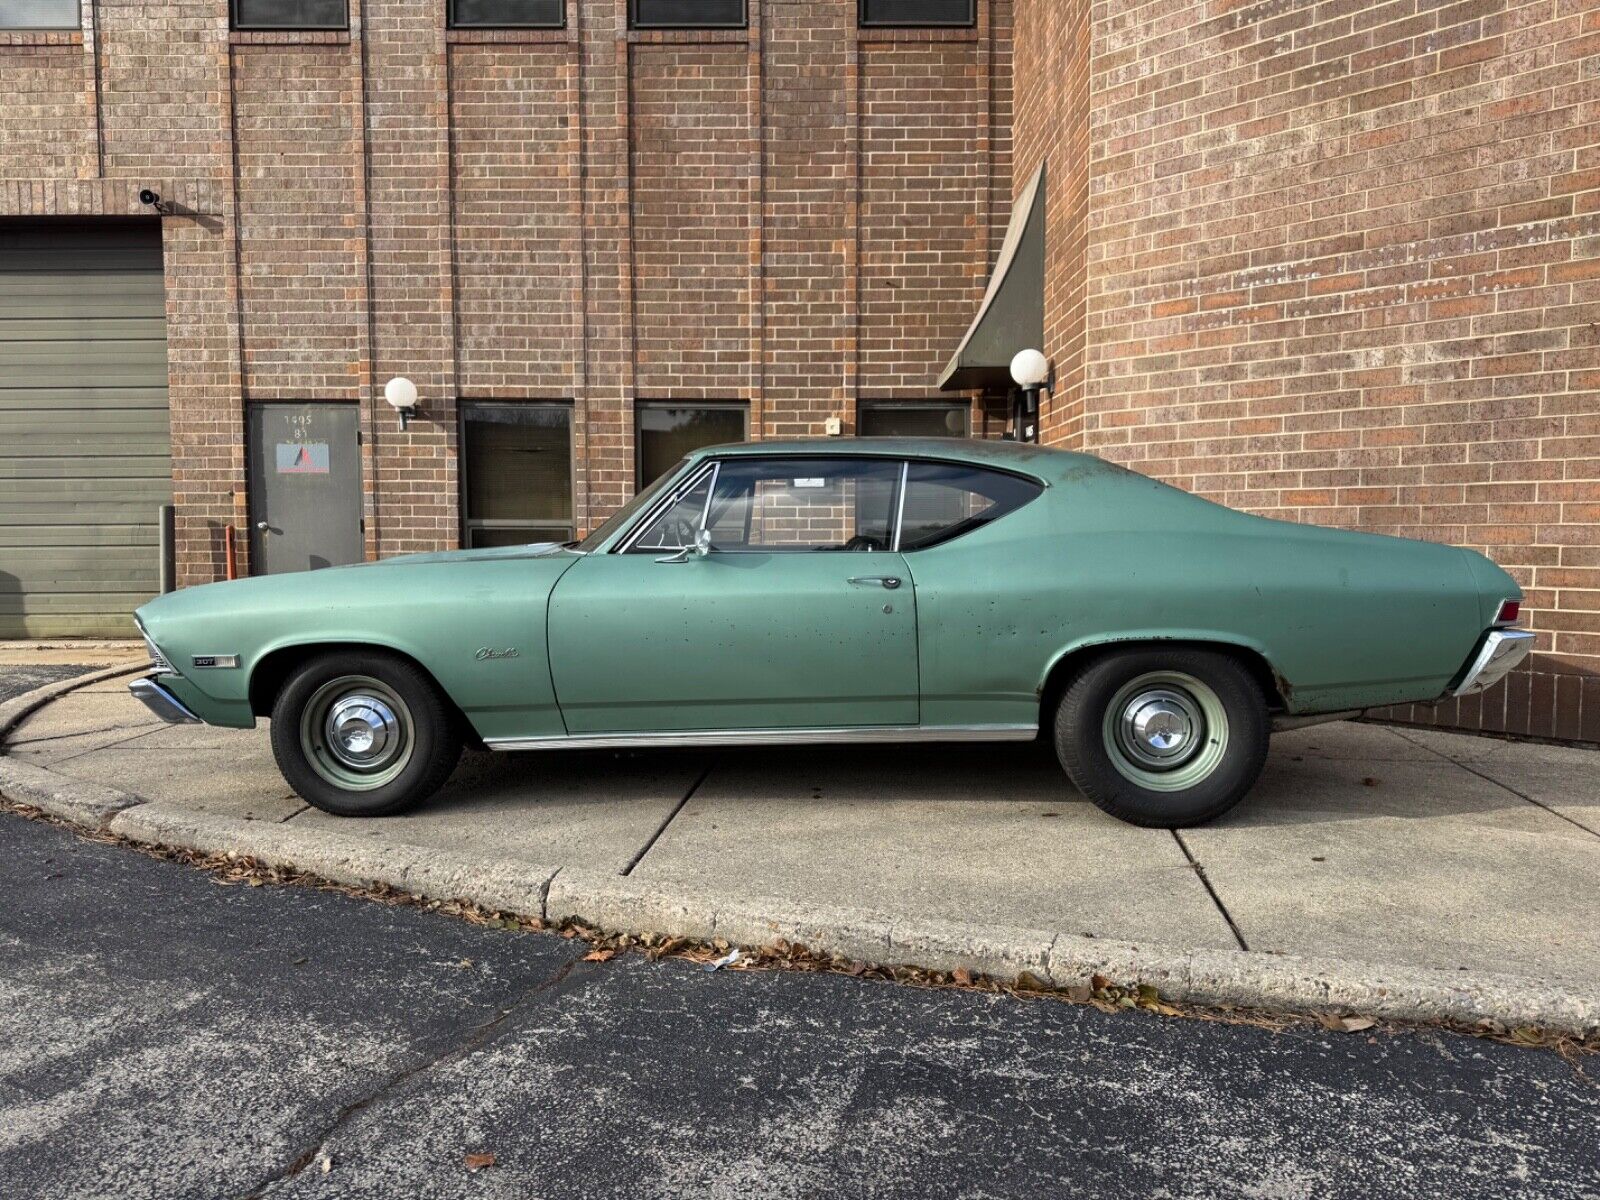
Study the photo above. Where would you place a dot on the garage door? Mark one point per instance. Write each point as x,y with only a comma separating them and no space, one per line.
85,460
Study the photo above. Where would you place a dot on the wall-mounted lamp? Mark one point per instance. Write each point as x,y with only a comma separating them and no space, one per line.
151,199
401,394
1030,370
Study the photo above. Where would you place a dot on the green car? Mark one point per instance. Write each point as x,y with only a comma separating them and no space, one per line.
878,590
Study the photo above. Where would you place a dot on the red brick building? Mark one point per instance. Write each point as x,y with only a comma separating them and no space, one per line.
1338,262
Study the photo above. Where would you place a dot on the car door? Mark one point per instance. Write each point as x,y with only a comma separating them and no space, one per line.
800,615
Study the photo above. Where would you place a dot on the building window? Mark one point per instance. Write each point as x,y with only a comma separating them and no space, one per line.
914,418
686,14
667,430
291,14
508,14
516,469
918,12
39,14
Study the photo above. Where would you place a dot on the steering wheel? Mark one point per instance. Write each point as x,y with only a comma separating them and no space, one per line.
864,541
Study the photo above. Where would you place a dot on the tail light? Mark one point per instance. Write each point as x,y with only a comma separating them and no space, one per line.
1510,610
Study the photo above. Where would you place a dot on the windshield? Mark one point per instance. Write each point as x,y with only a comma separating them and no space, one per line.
626,513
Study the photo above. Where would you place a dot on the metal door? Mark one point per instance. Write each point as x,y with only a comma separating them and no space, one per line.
305,487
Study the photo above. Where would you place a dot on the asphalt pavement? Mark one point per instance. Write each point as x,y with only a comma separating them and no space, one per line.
17,678
165,1036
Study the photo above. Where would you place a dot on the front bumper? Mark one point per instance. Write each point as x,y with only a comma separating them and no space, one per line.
1501,650
162,702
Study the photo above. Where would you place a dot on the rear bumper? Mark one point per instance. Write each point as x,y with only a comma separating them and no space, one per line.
1500,650
162,702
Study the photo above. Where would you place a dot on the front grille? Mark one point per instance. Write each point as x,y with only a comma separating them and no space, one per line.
158,660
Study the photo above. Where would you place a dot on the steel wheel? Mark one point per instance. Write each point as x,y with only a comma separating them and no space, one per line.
357,733
1165,731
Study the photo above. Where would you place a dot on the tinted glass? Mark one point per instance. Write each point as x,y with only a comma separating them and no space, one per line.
669,431
795,504
507,14
290,14
918,12
914,420
39,14
516,463
946,500
688,14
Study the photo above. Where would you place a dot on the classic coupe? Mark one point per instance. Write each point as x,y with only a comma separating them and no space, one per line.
873,590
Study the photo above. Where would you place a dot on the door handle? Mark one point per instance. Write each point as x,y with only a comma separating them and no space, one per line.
889,581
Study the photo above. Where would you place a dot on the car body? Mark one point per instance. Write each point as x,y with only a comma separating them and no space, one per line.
645,634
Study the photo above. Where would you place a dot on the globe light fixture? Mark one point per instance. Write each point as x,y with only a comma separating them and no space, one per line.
401,394
1030,370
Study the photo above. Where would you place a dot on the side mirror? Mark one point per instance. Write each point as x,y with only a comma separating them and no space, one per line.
700,548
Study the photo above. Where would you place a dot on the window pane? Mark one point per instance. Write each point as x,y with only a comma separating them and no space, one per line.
504,14
946,500
290,14
669,431
918,12
631,509
914,420
517,463
804,504
688,14
518,535
676,528
39,14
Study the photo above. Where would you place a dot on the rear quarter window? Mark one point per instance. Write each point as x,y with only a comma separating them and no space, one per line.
944,501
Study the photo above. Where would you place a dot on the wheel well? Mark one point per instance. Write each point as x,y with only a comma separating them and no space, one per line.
274,669
1070,664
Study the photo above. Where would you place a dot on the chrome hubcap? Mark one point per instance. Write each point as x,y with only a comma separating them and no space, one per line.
362,732
1160,728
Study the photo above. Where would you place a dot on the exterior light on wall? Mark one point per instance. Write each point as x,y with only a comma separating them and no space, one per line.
1030,370
401,394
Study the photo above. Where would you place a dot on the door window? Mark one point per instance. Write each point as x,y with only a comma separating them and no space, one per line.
678,523
804,504
946,500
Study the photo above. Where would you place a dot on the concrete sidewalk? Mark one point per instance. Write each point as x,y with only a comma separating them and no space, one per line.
1418,851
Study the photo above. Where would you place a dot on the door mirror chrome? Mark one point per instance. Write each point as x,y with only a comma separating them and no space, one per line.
699,549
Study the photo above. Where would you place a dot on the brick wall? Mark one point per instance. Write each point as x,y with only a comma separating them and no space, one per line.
587,214
1343,266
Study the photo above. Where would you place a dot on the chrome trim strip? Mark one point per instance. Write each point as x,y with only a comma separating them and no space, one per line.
162,702
900,507
1502,650
770,737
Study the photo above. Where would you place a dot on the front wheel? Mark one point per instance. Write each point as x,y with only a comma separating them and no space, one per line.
1163,738
363,735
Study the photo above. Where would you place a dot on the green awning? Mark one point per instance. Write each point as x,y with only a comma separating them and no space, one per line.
1011,317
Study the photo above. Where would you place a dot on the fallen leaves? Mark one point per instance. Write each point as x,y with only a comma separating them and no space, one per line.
1345,1024
479,1162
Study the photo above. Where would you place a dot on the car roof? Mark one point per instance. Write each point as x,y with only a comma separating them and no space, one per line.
1041,462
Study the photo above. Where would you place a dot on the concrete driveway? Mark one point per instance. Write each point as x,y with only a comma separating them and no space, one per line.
1401,847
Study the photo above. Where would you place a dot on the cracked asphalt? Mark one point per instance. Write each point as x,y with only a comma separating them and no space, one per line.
17,678
164,1036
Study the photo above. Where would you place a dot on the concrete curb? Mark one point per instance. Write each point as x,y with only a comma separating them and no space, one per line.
14,710
624,905
621,905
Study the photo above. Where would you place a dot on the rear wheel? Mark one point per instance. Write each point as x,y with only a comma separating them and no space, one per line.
363,735
1163,738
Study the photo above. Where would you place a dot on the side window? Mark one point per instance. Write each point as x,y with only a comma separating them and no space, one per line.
946,500
677,525
804,504
290,14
